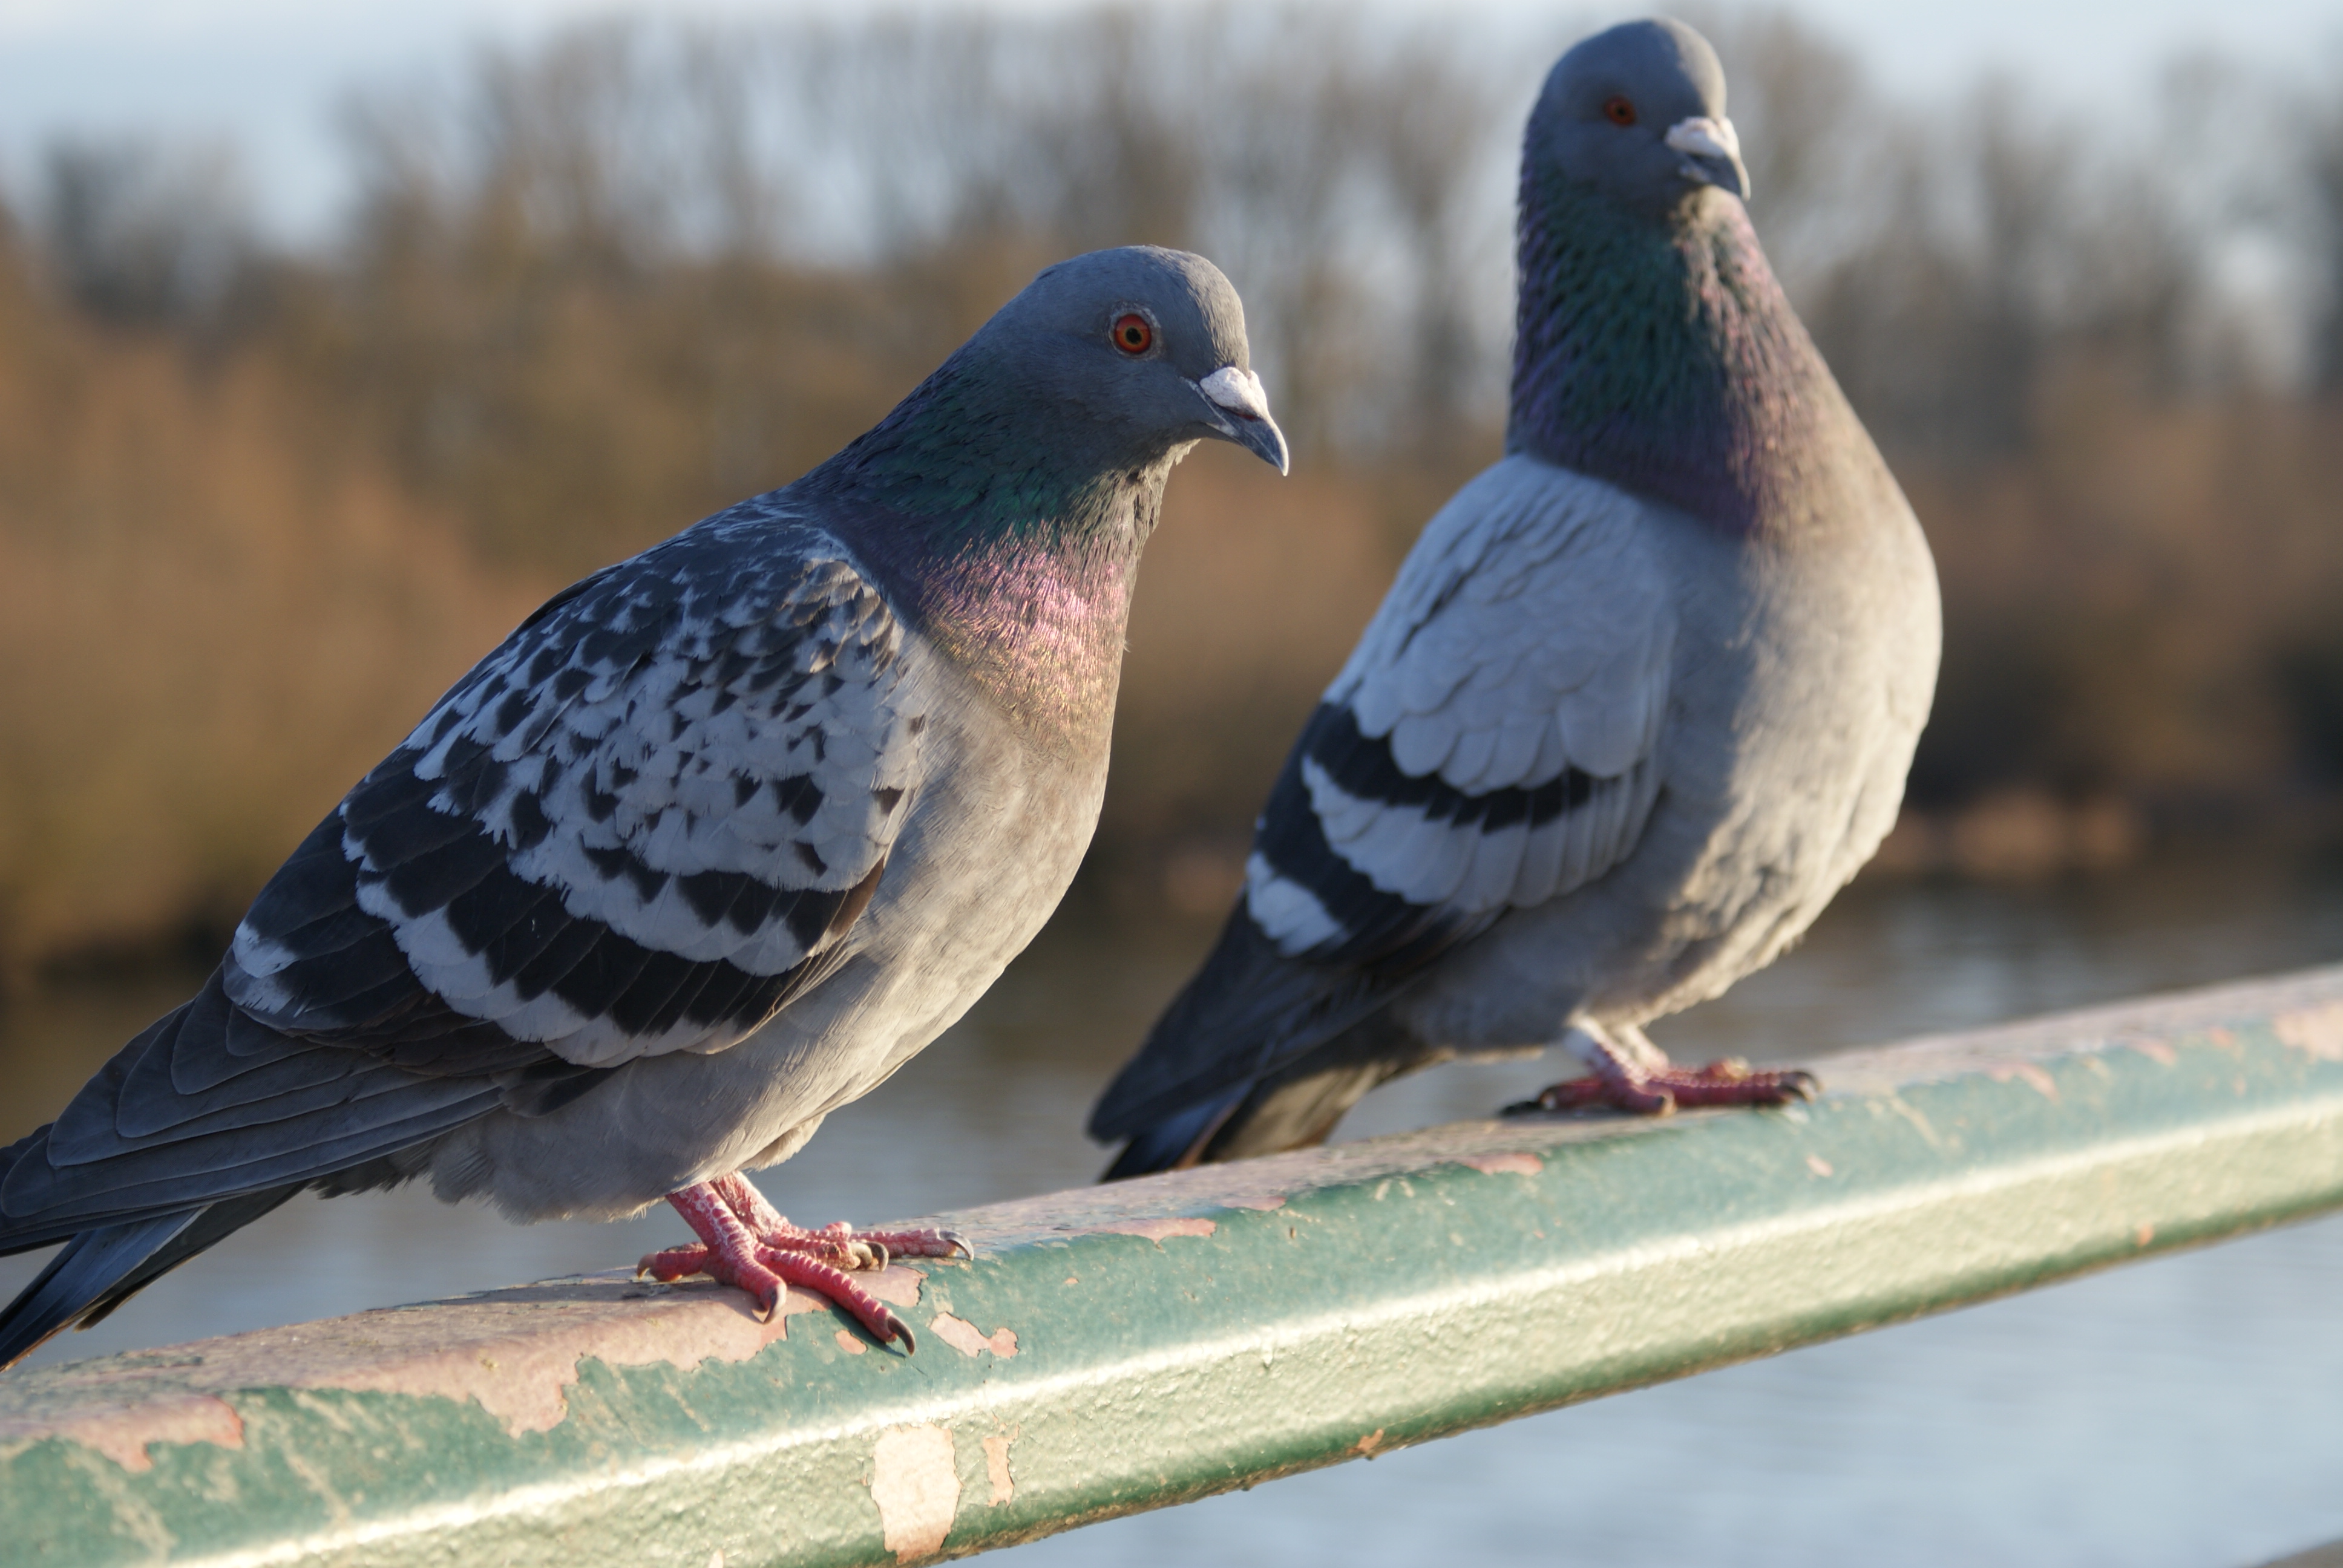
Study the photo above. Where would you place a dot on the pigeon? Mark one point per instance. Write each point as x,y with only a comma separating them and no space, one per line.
1641,700
714,842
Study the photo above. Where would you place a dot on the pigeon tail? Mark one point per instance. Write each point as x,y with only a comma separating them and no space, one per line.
1173,1143
79,1279
103,1267
1248,1012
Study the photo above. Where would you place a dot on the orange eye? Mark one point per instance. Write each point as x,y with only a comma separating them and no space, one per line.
1133,334
1619,110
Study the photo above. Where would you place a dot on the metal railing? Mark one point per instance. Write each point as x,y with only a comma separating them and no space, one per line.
1124,1348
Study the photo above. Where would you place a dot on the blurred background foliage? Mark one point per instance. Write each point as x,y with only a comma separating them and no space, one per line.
257,507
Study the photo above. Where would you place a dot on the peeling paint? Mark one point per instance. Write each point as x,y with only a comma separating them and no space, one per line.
1919,1123
2025,1072
996,1467
915,1482
514,1353
522,1375
964,1337
2318,1030
2145,1234
1369,1444
849,1344
895,1284
1509,1164
1156,1231
2156,1050
122,1432
1818,1165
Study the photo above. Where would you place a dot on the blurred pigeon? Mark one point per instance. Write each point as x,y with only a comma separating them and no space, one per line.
1642,699
714,842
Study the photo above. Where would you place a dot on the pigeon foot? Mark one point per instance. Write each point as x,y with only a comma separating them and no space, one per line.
1656,1089
838,1244
746,1244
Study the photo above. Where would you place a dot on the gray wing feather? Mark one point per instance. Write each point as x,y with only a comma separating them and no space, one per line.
627,826
1506,701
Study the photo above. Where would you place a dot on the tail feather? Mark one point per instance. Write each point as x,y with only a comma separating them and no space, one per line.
1241,1056
103,1267
1173,1143
79,1278
1246,1013
1295,1106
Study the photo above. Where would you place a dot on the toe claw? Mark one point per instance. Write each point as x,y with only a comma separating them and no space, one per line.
762,1255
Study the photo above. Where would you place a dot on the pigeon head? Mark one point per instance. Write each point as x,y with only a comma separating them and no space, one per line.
1133,354
1059,421
1638,114
1653,346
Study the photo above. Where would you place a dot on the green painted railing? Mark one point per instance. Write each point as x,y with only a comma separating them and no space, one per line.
1125,1347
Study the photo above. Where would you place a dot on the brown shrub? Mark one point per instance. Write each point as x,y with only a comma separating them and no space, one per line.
205,639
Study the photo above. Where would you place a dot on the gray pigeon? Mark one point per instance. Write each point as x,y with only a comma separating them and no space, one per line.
716,841
1642,699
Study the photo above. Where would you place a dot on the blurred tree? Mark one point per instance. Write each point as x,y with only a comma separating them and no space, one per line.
2322,168
138,235
598,285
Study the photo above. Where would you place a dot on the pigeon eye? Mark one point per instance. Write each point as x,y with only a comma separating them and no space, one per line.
1133,334
1618,111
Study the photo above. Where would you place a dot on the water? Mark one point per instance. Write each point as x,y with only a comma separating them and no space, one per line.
2181,1411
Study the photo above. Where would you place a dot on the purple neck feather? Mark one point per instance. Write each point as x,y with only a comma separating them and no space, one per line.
1037,618
1662,355
1041,630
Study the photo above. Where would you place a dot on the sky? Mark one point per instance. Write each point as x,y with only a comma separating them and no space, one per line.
265,75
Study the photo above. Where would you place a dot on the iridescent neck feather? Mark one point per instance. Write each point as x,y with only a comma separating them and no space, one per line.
1662,355
1010,548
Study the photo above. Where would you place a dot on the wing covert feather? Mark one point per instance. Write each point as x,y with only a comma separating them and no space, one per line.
1489,744
638,827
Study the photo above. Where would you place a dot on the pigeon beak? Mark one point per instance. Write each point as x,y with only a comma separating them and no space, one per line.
1237,410
1712,151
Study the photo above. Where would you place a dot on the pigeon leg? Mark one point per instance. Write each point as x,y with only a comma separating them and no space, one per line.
1634,1075
731,1254
840,1244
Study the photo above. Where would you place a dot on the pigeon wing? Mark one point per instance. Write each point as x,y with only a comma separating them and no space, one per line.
638,827
1490,744
641,825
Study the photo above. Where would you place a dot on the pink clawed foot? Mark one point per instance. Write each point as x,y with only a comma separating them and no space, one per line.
840,1244
1657,1088
746,1243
